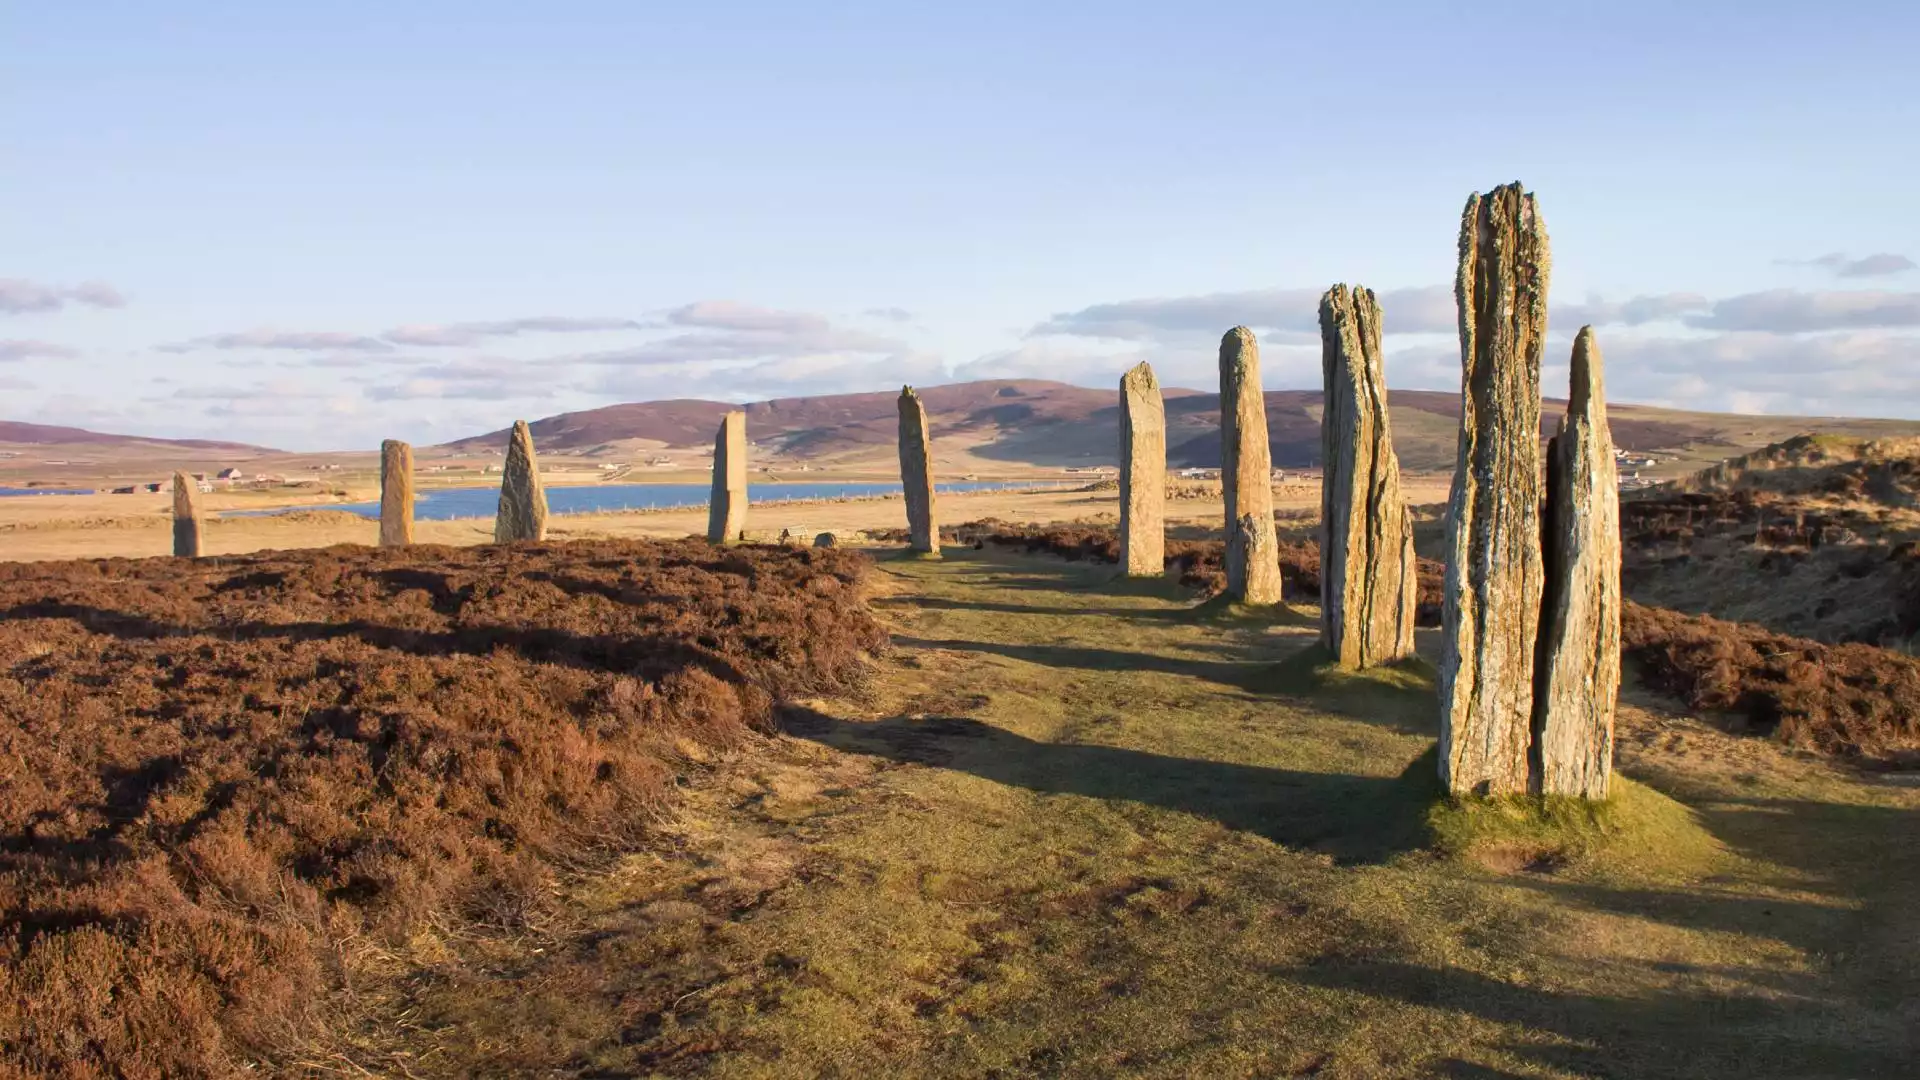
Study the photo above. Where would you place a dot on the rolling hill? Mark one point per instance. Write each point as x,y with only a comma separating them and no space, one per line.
1048,424
16,433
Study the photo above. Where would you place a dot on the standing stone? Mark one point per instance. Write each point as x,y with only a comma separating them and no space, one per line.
396,494
523,501
186,517
916,474
1579,675
1143,474
727,507
1246,473
1368,585
1491,611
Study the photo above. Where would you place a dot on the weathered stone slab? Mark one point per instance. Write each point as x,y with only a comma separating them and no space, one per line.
1143,474
186,517
1246,473
396,494
1491,613
916,474
1579,650
523,500
1368,585
727,508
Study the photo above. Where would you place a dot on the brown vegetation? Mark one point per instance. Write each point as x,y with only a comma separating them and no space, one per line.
1850,700
1815,537
229,780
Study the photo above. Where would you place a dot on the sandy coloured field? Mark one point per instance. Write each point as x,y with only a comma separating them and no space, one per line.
134,526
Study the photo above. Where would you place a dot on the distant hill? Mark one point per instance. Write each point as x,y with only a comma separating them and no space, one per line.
16,432
1051,424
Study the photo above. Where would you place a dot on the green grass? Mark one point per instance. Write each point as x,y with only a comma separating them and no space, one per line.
1080,828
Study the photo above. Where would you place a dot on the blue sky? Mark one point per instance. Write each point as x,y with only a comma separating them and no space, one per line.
315,226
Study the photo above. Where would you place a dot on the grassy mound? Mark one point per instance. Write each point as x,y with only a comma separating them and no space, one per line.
1635,830
233,779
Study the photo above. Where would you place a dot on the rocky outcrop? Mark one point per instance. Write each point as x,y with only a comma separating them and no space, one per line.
1579,646
396,494
1491,602
186,517
1246,474
523,501
1368,586
727,507
1143,474
916,474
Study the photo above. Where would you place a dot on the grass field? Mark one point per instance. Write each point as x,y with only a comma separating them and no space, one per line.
1072,828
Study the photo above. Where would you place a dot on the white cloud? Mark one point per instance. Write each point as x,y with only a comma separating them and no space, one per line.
469,333
17,349
268,338
20,296
1793,311
1637,311
1293,313
1877,265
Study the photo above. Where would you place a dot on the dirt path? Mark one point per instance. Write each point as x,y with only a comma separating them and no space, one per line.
1077,830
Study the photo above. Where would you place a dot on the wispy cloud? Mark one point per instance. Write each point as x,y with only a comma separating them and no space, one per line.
728,315
722,330
1878,265
476,379
890,314
1637,311
19,296
470,333
17,349
1428,309
1792,311
268,338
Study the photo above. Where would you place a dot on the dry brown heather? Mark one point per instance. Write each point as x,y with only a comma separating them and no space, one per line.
1854,701
232,783
1816,537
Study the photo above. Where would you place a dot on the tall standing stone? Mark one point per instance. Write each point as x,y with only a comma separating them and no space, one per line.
396,494
727,507
1246,473
1143,474
1368,585
916,474
1579,662
1491,612
523,501
186,517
